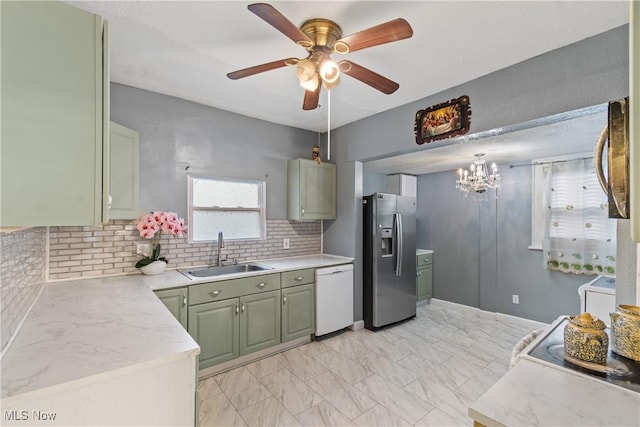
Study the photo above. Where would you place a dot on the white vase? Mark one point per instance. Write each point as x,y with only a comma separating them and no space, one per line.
156,267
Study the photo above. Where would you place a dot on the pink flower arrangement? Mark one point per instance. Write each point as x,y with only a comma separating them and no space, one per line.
152,225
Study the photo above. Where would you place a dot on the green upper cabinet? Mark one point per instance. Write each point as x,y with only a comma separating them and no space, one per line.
176,301
55,115
123,174
311,190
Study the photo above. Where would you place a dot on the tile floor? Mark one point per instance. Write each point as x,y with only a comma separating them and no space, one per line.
423,372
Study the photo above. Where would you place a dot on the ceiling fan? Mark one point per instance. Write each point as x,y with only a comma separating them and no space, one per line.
321,37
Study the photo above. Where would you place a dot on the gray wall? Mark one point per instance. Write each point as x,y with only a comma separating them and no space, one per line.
590,72
481,255
176,134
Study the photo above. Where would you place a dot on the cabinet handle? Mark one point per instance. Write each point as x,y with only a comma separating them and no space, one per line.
242,308
184,300
284,299
214,294
237,310
302,210
261,285
299,278
419,273
110,201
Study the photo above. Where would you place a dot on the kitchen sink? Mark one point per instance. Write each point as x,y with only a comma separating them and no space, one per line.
201,272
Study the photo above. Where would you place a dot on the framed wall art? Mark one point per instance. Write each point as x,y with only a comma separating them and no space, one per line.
443,120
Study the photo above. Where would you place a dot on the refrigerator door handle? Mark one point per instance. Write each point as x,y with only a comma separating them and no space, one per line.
399,244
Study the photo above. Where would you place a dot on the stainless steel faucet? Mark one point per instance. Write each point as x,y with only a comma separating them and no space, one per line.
220,246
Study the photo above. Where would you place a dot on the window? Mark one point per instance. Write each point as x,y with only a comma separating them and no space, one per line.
579,237
234,206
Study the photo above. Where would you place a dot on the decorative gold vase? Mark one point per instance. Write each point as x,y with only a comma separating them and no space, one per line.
585,338
625,331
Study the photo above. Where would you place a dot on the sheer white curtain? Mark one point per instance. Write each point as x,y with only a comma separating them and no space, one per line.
579,236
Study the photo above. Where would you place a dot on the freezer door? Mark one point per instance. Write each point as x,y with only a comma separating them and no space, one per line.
384,260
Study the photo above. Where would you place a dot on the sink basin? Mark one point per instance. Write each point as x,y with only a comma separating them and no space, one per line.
198,273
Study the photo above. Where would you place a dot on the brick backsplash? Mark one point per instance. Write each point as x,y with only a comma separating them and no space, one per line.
22,275
110,249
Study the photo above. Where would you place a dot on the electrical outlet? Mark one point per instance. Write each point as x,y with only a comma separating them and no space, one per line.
143,249
285,243
515,299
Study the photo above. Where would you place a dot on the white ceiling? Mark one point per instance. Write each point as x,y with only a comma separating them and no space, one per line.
185,49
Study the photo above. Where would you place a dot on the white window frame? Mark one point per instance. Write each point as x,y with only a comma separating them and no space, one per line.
261,209
537,190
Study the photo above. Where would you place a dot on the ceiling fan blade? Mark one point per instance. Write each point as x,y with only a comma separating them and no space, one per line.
311,99
369,77
246,72
277,20
397,29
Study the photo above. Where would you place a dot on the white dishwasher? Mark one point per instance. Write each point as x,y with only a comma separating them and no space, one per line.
334,298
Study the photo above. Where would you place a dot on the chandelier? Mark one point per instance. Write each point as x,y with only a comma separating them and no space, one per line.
477,179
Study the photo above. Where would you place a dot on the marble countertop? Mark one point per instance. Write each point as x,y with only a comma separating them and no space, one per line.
423,251
173,278
538,393
535,394
85,331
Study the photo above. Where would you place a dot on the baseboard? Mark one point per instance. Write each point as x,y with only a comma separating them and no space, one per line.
533,324
358,324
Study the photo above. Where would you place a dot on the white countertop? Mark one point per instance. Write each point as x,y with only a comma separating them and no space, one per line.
423,251
84,331
534,394
538,393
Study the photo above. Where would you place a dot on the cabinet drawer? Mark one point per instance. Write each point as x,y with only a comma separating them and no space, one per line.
233,288
298,277
424,260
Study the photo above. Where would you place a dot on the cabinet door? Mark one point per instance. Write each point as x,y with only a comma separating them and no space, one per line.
176,302
317,190
424,283
215,327
259,321
298,312
123,174
54,93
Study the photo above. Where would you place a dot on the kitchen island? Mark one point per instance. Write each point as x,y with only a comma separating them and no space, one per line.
106,351
536,392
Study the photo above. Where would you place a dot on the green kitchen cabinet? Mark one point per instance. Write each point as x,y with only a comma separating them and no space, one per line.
215,327
311,190
259,321
55,115
424,276
123,177
176,301
298,312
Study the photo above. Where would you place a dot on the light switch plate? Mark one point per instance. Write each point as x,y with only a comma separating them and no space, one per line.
285,243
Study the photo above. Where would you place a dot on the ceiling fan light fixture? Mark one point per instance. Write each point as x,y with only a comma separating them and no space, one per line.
311,84
329,86
329,71
305,70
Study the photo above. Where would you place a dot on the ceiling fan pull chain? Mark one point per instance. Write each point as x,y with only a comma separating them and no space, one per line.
328,125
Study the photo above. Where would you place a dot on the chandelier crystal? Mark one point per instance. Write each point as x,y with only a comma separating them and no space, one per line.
477,178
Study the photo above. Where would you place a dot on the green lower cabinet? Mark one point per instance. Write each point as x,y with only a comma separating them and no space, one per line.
215,326
298,312
259,321
176,301
424,283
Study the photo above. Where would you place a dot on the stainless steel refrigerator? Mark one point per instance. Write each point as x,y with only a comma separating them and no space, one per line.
389,275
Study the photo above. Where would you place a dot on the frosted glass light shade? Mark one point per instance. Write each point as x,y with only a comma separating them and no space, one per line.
311,84
305,70
329,71
329,86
